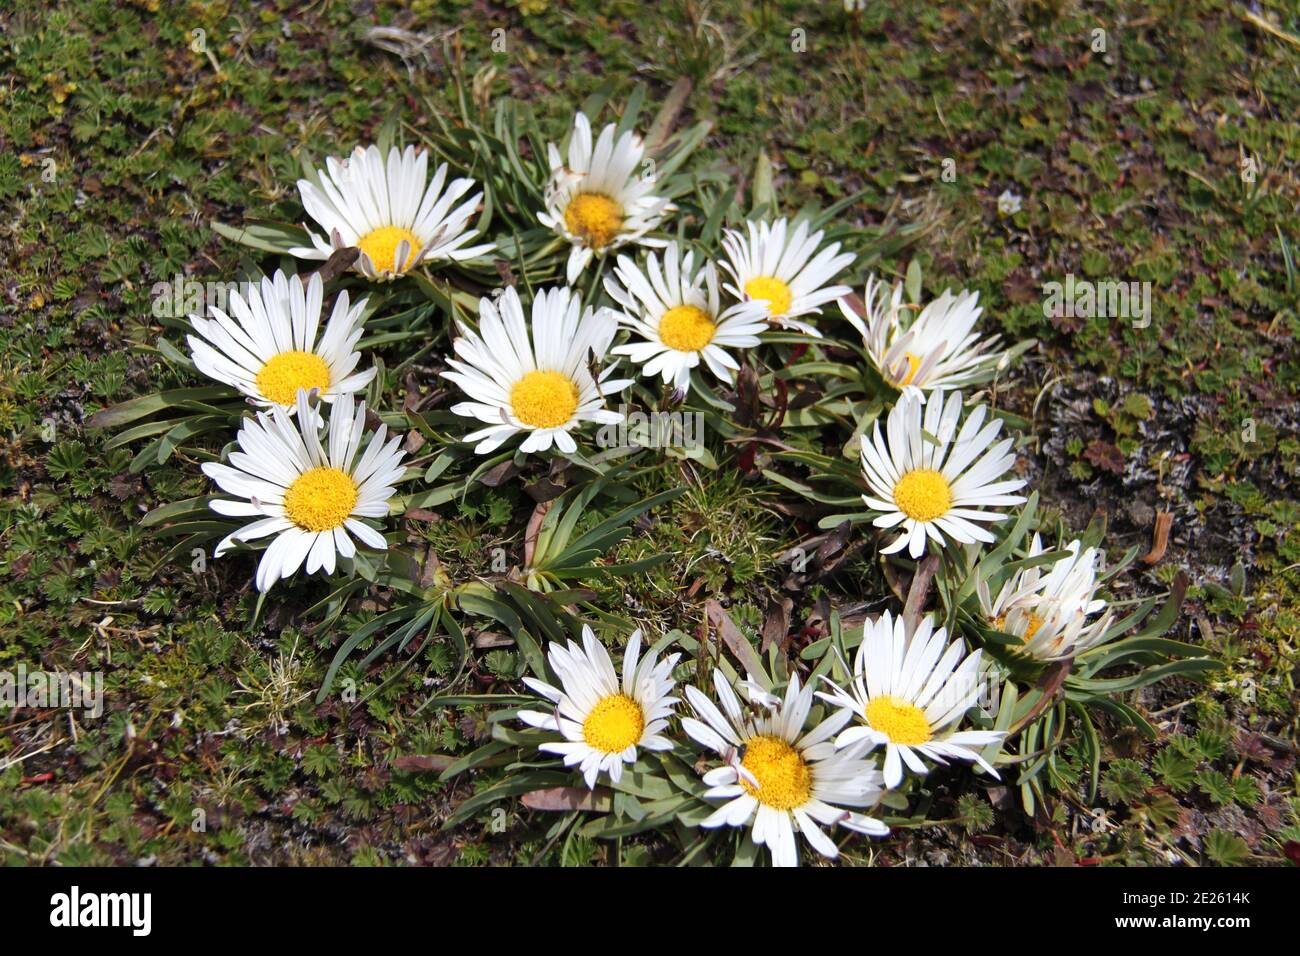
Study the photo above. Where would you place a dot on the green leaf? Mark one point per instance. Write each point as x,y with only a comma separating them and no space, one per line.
1226,849
912,283
137,408
1125,782
763,192
1176,771
264,234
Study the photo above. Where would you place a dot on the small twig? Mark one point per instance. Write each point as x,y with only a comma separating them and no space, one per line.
1255,20
14,761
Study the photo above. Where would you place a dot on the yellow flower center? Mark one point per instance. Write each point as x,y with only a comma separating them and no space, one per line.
381,246
686,328
1031,628
320,499
776,292
544,399
913,363
595,218
784,780
281,377
901,722
614,724
923,494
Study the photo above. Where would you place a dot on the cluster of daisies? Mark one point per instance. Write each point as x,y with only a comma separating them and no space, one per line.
306,475
909,693
539,376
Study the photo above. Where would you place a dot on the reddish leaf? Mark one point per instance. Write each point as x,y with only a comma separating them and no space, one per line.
533,529
776,622
1105,456
731,635
569,798
411,762
495,477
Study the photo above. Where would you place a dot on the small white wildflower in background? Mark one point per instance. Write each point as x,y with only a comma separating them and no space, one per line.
1008,204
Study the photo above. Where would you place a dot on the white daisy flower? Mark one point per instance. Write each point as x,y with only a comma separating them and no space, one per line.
310,497
1022,588
540,384
1049,611
679,314
604,720
931,485
269,346
390,211
777,265
603,198
777,778
938,349
1008,204
909,695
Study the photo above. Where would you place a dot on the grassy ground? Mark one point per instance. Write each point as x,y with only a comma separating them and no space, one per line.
119,144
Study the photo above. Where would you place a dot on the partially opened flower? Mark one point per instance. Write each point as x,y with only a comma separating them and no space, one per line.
678,313
311,497
931,485
604,720
909,695
539,385
603,198
270,345
782,267
937,349
776,778
390,211
1050,611
1021,589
